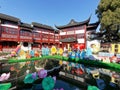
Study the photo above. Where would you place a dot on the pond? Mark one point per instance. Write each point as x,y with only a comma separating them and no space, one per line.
69,76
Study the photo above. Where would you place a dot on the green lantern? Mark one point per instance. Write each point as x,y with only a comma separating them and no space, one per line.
29,79
48,83
92,88
5,86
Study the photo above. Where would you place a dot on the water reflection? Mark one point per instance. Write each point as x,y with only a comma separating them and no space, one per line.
72,76
104,79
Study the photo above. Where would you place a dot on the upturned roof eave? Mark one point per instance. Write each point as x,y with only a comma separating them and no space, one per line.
9,18
74,23
35,24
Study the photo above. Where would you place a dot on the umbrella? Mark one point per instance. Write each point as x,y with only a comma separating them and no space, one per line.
48,83
5,86
28,79
42,73
92,88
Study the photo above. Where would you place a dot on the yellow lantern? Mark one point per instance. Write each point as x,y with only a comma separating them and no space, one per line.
53,50
60,51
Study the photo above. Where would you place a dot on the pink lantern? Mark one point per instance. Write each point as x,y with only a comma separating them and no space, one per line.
42,73
18,48
4,76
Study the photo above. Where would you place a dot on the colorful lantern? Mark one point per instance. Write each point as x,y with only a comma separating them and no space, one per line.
36,54
32,53
13,53
18,48
29,79
42,73
53,50
60,51
72,55
4,76
92,88
48,83
77,56
34,75
5,86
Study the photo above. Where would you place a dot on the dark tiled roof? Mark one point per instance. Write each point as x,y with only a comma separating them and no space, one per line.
10,18
57,31
35,24
26,25
93,26
73,23
68,40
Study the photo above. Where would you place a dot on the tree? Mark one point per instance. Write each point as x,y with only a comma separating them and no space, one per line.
108,12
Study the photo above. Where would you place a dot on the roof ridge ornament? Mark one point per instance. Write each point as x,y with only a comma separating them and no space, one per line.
72,21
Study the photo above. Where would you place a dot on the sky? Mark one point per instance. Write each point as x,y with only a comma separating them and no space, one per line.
50,12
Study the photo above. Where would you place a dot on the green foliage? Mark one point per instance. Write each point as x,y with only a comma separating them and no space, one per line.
111,66
108,12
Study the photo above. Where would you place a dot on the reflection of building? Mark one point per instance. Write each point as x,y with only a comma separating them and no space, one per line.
77,33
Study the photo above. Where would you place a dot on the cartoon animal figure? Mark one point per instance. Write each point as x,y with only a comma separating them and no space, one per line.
16,51
36,54
22,54
28,56
60,52
53,50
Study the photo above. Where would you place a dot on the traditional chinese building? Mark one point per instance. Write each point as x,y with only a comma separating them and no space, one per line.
13,32
9,32
42,34
25,36
76,33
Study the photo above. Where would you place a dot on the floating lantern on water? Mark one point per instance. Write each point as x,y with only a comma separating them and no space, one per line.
92,88
29,79
5,86
34,75
48,83
4,76
42,73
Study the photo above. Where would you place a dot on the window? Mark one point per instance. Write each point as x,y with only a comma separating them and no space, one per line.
80,35
116,46
116,50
